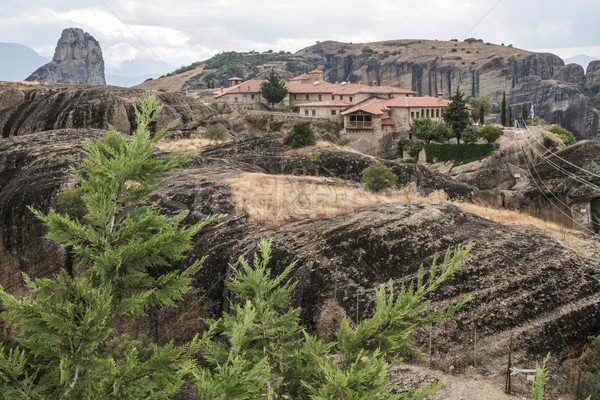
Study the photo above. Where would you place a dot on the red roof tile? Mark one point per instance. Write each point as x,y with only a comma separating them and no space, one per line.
300,77
387,121
373,105
251,86
416,102
330,103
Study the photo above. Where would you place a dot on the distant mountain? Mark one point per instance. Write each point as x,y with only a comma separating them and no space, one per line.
18,61
134,72
581,59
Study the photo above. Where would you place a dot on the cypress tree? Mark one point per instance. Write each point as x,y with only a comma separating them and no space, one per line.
456,115
510,116
273,90
524,112
66,348
481,117
503,110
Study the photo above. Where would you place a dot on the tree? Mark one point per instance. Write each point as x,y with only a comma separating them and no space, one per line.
490,133
421,128
259,350
301,135
470,135
121,248
273,90
480,102
503,110
524,112
377,177
481,115
456,115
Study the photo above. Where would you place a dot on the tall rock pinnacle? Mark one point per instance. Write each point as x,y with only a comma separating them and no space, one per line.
77,59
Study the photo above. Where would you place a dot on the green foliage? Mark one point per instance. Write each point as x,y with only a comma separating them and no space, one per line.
341,51
70,202
301,135
591,369
566,136
456,115
541,378
510,116
216,131
343,141
427,130
481,115
482,105
274,89
215,106
503,110
491,133
473,40
377,177
470,135
367,50
525,112
454,50
459,153
229,61
412,148
67,323
257,122
259,350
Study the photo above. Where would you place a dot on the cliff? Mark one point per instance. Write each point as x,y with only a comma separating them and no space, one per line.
427,67
77,59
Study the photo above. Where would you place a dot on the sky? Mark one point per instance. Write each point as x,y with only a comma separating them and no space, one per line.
180,32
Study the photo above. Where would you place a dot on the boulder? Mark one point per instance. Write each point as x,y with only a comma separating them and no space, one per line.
571,73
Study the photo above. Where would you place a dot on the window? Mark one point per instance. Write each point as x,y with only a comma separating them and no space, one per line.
314,112
307,97
320,98
360,121
350,99
417,114
294,96
235,99
412,114
252,96
305,112
428,113
341,97
333,112
437,112
332,97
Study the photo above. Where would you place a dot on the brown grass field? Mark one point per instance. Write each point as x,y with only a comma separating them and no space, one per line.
272,201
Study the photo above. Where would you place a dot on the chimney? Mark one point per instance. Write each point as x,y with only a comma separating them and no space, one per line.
401,84
440,96
360,82
374,82
221,88
248,87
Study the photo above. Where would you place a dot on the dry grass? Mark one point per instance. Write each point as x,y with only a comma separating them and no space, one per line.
309,151
186,145
275,200
21,83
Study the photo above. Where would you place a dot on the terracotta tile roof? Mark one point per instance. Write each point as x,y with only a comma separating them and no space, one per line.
251,86
372,105
330,103
387,121
300,77
416,102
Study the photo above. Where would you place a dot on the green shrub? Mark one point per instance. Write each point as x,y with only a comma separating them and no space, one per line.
257,122
216,131
343,141
215,106
70,202
566,136
459,153
367,50
591,369
301,135
470,135
377,177
491,133
454,50
341,51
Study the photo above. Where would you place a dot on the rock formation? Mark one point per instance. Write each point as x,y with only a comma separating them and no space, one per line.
77,59
524,283
61,107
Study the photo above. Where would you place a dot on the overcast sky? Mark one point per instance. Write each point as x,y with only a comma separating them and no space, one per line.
179,32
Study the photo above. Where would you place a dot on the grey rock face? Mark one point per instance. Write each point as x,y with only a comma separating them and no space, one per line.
524,283
62,107
77,59
572,73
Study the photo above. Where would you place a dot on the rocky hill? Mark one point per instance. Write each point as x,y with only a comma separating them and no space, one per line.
525,284
77,59
561,93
